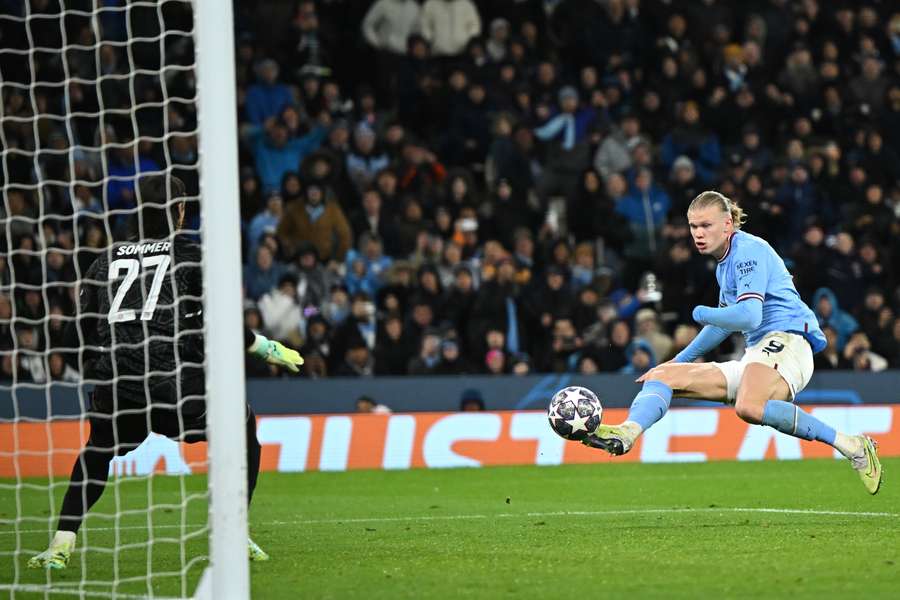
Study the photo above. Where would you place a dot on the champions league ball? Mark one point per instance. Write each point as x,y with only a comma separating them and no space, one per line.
574,412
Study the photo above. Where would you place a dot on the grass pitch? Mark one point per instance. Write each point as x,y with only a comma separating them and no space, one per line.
716,530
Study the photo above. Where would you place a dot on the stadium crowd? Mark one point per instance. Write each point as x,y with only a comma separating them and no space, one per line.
451,187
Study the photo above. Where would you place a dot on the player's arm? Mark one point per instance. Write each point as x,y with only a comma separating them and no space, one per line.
751,276
274,353
708,338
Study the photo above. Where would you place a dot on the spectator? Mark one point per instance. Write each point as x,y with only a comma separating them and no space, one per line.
318,335
357,328
365,160
646,208
829,313
266,98
280,312
393,347
367,266
429,354
366,405
648,328
691,139
640,358
452,361
614,356
471,401
448,25
358,362
266,221
276,152
313,280
613,155
858,353
319,220
263,274
386,27
567,137
830,358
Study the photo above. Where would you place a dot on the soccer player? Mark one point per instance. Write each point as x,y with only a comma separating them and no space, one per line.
757,297
141,333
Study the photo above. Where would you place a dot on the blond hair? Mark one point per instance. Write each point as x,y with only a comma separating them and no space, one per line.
712,198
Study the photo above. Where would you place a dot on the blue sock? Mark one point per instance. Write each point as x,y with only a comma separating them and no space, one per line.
792,420
650,404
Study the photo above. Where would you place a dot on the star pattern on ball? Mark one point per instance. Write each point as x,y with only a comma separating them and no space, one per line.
579,423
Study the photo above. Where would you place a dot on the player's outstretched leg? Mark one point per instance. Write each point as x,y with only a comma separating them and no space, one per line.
762,400
700,381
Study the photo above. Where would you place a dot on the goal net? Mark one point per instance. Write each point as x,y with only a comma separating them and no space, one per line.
95,95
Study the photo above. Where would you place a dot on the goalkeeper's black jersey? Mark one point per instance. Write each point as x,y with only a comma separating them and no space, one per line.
140,320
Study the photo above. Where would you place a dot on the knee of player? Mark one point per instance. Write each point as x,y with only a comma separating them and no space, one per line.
749,411
675,378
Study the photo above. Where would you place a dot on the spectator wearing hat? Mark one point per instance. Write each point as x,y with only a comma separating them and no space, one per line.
829,313
497,45
452,361
280,312
640,356
318,220
566,135
683,184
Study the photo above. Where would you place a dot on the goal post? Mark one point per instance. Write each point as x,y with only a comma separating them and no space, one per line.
93,95
228,575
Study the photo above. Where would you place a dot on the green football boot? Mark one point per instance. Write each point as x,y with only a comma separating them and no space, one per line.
867,464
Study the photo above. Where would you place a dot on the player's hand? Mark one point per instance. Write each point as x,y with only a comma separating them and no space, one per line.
276,353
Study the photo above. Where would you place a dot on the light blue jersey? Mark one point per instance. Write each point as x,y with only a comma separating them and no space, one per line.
751,269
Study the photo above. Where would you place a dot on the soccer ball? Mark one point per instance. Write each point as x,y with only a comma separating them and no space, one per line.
574,412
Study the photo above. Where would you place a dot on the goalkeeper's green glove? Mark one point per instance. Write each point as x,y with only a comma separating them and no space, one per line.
275,353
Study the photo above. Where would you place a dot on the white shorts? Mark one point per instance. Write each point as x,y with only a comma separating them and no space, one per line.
788,353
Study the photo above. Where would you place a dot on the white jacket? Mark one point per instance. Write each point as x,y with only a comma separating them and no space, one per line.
389,23
448,25
280,314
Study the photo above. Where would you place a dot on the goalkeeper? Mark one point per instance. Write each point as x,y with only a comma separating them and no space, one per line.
140,332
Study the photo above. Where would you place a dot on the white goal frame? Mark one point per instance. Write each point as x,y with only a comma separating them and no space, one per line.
228,575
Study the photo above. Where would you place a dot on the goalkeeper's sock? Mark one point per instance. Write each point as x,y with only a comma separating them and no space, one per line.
791,419
650,405
63,541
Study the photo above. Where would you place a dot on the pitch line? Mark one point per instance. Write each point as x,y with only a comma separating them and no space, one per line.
561,513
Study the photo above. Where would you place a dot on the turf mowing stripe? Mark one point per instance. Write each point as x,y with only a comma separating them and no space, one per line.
564,513
62,588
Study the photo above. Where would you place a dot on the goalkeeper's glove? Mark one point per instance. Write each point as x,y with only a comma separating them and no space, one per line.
275,353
